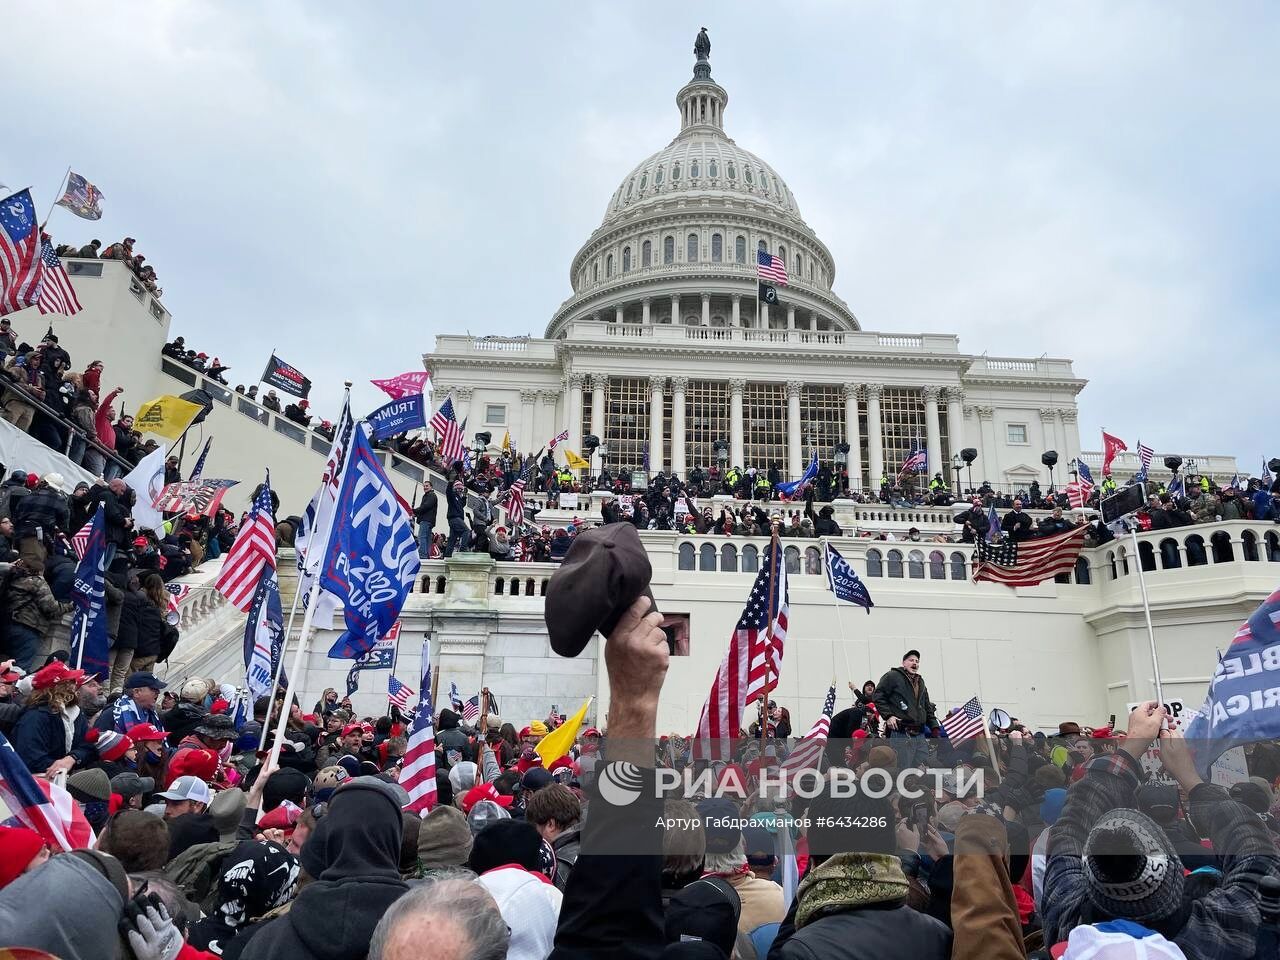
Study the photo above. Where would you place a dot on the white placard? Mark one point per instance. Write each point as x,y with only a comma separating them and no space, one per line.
568,501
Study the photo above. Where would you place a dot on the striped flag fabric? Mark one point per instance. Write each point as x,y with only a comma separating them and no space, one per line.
750,665
445,424
560,437
56,293
807,753
965,723
1028,562
917,461
771,269
399,694
471,709
515,501
20,260
42,805
1145,456
1078,493
254,548
177,593
80,541
198,469
418,775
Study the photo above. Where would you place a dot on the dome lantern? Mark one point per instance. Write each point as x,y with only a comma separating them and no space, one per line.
702,100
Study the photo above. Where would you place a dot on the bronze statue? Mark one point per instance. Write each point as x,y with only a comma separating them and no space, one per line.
702,45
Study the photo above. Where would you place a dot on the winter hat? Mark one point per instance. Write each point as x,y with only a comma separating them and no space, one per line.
1119,940
885,758
110,744
350,764
1254,793
89,785
285,784
484,813
444,839
1052,804
535,778
537,729
706,910
227,809
719,818
1132,871
193,762
529,905
18,847
506,841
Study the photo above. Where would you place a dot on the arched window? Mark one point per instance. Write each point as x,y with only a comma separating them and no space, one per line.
1196,557
542,587
810,269
439,584
746,172
792,559
733,171
895,563
915,565
1082,571
740,250
626,259
691,249
761,245
1222,550
1147,556
799,264
782,253
685,561
750,559
1249,541
959,569
713,170
728,559
608,265
707,557
644,180
675,171
646,253
1273,547
812,561
668,249
695,170
499,585
874,566
528,587
631,185
1111,563
1123,555
937,565
717,248
1169,558
657,176
764,181
595,271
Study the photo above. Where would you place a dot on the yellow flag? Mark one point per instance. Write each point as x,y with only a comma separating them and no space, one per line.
506,441
167,416
574,461
557,743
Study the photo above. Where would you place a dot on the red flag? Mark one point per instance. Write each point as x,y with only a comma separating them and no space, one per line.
1110,447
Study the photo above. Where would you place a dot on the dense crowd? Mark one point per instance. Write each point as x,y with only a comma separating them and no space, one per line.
143,271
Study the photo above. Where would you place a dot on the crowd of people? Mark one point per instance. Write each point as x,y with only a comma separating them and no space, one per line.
143,271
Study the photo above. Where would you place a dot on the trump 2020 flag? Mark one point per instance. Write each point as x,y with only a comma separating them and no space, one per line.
1239,707
398,416
263,634
372,555
845,582
810,474
90,647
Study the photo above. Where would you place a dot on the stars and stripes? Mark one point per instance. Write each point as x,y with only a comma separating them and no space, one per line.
254,548
418,776
966,723
750,665
20,260
42,805
917,461
56,293
515,502
198,469
1080,489
177,593
1028,562
399,693
1145,456
471,709
445,424
771,269
80,540
807,753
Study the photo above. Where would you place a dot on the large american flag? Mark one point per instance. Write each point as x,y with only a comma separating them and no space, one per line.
1078,493
965,723
917,460
808,751
445,424
56,292
20,262
255,547
399,694
418,775
750,666
42,805
1145,456
515,501
1028,562
80,540
770,268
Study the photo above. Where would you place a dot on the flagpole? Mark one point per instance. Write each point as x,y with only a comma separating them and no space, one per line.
775,557
1146,610
295,683
57,195
395,659
991,752
275,680
84,630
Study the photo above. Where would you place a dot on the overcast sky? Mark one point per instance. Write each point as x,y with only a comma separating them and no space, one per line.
346,181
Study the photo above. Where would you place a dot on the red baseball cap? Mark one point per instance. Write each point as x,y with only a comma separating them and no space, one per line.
56,672
351,728
144,733
485,791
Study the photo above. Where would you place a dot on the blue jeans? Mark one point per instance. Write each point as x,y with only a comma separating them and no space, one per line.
23,645
459,537
424,541
913,751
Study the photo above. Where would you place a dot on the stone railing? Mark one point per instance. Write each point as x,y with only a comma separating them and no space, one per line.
857,340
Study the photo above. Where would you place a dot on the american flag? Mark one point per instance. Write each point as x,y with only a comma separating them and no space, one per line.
418,776
177,593
255,547
966,723
471,709
399,694
198,469
455,698
20,261
917,461
1026,563
808,751
42,805
56,292
1145,456
560,437
771,269
80,542
1078,492
750,665
515,501
445,424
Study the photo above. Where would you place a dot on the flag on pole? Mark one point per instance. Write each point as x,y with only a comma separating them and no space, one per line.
558,742
418,775
771,273
560,437
254,548
1078,494
843,580
202,495
455,698
1145,456
56,293
791,487
471,709
264,634
90,645
286,377
198,469
1026,563
575,462
965,723
750,665
399,694
20,261
404,385
1110,447
167,416
807,753
317,520
506,441
146,480
82,198
80,539
917,461
1176,488
1084,473
445,424
993,525
42,805
1235,482
515,501
644,457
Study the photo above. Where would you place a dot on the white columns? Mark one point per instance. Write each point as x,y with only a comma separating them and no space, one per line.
655,423
793,429
1070,434
764,316
706,309
618,314
735,422
933,435
852,435
955,425
524,440
1046,431
875,438
644,306
737,310
791,317
675,309
575,381
678,385
990,463
462,407
599,384
546,422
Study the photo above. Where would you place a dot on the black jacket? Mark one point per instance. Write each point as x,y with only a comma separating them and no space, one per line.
895,697
457,503
978,524
425,511
182,719
1017,525
127,636
878,930
451,738
44,508
40,738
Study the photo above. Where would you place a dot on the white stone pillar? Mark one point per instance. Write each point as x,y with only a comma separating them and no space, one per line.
791,317
1047,419
764,316
1070,433
955,425
575,412
655,423
618,314
599,385
706,309
644,306
735,422
462,407
547,422
737,311
678,386
933,435
794,437
675,309
875,437
990,463
525,442
852,435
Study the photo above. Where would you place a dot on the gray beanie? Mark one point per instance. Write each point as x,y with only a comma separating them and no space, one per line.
1132,870
444,840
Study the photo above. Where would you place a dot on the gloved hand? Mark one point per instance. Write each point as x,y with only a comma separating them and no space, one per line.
152,935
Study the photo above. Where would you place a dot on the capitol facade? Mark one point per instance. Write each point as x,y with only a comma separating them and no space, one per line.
664,347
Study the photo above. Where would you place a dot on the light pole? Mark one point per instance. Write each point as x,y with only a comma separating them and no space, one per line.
957,465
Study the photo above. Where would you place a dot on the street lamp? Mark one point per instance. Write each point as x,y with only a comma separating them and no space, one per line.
957,465
968,455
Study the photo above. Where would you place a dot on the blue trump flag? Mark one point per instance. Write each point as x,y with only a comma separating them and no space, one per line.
810,474
1240,705
372,555
993,525
845,582
264,635
90,647
407,413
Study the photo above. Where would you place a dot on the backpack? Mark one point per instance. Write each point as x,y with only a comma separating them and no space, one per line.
197,870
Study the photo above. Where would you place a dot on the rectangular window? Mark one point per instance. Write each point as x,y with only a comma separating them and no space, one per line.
821,421
1016,433
706,421
626,422
495,413
764,415
902,430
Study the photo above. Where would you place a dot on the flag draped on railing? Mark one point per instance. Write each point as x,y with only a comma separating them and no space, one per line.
1028,562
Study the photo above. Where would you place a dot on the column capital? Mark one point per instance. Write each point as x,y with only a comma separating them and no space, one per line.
657,384
930,393
679,384
955,395
548,396
1047,414
463,393
737,298
646,300
873,391
851,390
1068,414
529,396
985,412
576,380
599,381
737,385
706,298
793,388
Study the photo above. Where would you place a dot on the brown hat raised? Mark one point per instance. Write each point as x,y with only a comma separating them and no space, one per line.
603,573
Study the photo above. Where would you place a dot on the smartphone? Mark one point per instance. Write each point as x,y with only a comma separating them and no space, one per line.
920,815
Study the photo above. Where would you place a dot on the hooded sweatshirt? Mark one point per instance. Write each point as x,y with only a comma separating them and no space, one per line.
66,908
356,849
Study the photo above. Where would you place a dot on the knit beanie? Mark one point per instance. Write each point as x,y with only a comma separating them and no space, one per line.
1132,870
89,785
109,744
18,847
506,841
444,839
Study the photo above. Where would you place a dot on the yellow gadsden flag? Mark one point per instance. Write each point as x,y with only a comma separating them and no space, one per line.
574,461
166,416
506,441
557,743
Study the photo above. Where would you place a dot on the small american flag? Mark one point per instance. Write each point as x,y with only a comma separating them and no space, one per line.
1026,563
418,776
445,424
42,805
399,694
807,753
1078,492
471,709
966,723
177,593
20,262
455,698
560,437
80,542
770,268
255,547
56,292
